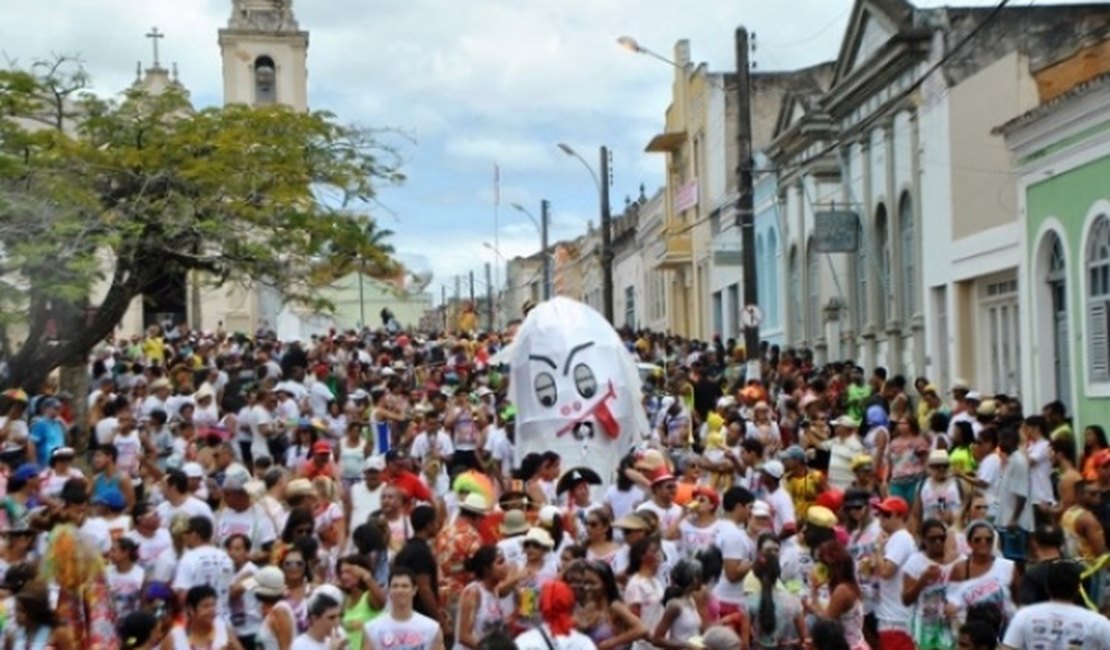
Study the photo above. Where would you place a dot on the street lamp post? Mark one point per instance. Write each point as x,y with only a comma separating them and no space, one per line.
602,185
543,225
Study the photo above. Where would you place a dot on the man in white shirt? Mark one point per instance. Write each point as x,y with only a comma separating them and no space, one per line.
180,501
263,425
1038,450
156,400
318,392
366,497
401,622
896,545
737,549
1015,507
776,496
204,564
1058,623
241,517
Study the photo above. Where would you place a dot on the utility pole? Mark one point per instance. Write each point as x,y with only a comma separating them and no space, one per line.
745,213
489,296
606,238
443,302
472,290
458,300
545,222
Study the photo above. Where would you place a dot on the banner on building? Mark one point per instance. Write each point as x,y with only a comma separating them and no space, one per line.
686,196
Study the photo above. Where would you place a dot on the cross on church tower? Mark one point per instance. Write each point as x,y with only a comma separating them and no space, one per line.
154,35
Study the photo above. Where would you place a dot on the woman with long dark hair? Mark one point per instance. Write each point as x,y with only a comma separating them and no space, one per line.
924,586
682,619
845,603
983,578
644,592
777,621
1094,441
623,496
600,614
480,608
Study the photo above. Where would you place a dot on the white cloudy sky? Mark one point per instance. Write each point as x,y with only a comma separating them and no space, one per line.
473,81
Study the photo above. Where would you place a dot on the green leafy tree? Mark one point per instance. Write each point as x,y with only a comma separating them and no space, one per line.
98,198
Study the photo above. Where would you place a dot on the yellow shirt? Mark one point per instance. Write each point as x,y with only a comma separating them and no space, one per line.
803,490
154,349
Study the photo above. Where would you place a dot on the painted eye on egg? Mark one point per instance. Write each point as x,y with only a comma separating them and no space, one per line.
585,381
546,391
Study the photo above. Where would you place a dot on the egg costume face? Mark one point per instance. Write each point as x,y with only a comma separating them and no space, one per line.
576,388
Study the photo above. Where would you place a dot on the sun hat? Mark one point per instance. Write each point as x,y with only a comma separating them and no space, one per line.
160,383
937,457
298,487
631,521
548,513
821,517
475,503
862,460
539,536
514,523
845,421
267,582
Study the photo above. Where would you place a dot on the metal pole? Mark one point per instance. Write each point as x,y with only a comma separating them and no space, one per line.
361,301
745,213
545,222
606,238
489,296
443,303
458,299
472,290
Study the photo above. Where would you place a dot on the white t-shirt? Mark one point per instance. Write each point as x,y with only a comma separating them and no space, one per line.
534,640
1056,625
260,416
693,539
207,565
782,509
318,397
648,594
364,502
989,471
667,517
385,632
252,522
891,613
246,611
191,507
106,430
126,589
96,533
426,442
1040,471
735,544
150,548
622,503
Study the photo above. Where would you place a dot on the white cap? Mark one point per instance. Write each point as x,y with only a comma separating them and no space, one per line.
193,470
761,509
374,463
773,468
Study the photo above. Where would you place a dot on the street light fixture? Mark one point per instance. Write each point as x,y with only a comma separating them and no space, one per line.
602,185
521,209
632,45
542,227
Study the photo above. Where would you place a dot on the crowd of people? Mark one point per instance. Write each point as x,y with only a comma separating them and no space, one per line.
360,490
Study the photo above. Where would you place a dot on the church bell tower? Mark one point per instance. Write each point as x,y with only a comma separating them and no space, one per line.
265,55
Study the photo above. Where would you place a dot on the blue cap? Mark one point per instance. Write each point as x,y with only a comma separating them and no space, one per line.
877,417
110,497
26,472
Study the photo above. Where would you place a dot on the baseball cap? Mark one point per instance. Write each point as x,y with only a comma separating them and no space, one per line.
794,452
26,472
761,509
110,497
236,480
893,506
938,457
193,470
395,454
321,447
856,497
845,421
973,396
373,464
630,521
773,468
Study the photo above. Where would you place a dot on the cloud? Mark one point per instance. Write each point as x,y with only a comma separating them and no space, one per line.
517,154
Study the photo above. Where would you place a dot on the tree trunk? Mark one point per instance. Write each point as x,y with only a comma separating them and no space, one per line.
77,335
74,379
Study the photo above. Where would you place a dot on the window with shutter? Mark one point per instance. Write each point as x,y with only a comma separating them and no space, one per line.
1098,350
1098,300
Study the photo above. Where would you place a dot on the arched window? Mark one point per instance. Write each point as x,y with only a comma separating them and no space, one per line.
1098,300
771,313
882,253
909,258
796,318
813,293
265,81
861,278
